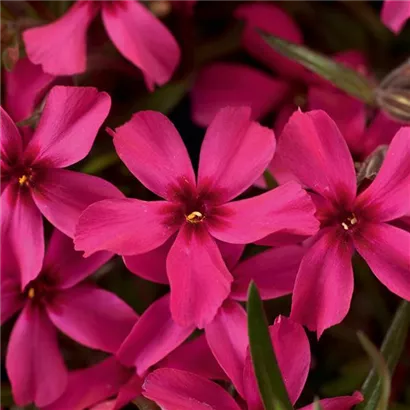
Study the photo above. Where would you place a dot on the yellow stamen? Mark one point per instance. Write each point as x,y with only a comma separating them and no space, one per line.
23,180
351,220
194,217
31,293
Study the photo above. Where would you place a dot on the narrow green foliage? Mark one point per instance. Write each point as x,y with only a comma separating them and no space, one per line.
382,370
391,350
271,386
339,75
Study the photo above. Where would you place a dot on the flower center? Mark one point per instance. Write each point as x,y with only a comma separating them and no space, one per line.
40,290
195,217
349,222
31,293
26,178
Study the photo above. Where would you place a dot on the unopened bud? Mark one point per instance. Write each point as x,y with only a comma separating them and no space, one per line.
393,94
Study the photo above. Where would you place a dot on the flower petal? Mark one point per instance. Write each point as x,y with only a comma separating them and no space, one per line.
337,403
34,364
11,141
178,390
324,284
386,250
89,386
230,164
143,39
25,86
292,352
12,298
194,356
60,47
20,218
123,226
141,348
287,208
273,271
379,132
231,253
347,112
199,278
154,152
91,316
222,85
308,146
272,20
62,195
128,392
227,336
68,126
68,266
394,14
151,265
387,197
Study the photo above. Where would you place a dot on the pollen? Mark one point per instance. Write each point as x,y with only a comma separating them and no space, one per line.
23,180
31,293
349,222
195,217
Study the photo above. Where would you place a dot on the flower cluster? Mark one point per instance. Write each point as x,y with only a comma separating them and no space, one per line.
205,232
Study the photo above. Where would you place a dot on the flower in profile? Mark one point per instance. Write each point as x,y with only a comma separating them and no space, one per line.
176,389
60,47
363,219
395,13
33,181
55,299
195,212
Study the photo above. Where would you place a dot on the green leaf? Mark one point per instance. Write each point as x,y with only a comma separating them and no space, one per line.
391,349
339,75
382,370
271,386
316,404
98,164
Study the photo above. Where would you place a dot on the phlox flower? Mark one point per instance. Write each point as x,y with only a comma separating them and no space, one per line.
195,212
395,13
176,390
110,384
54,299
233,84
366,220
60,47
33,181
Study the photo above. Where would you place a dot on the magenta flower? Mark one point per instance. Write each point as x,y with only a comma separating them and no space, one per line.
395,13
33,181
231,84
154,341
314,150
234,153
175,389
56,298
60,47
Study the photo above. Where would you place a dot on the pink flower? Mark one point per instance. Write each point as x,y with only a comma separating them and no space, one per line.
94,385
175,389
60,47
395,13
230,84
33,181
56,298
314,150
194,213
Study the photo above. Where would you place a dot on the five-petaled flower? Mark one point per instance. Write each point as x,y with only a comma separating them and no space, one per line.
33,181
60,47
314,150
56,298
234,154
